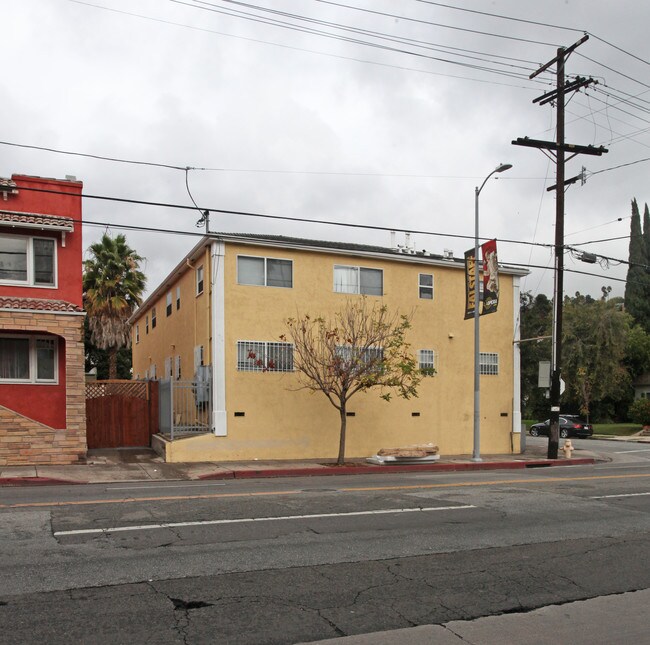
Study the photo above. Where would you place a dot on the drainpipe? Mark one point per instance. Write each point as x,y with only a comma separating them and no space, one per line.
218,344
516,367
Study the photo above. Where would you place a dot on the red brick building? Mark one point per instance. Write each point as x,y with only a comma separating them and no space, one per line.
42,395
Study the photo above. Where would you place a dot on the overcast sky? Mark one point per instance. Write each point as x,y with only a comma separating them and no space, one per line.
298,121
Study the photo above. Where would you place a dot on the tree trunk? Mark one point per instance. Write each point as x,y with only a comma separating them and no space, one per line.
112,363
344,419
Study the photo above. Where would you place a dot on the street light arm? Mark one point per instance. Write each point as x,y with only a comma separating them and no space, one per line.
500,168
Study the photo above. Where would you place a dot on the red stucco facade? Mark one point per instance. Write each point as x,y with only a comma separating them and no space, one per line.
42,420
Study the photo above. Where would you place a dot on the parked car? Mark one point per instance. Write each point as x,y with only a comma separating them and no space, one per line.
571,425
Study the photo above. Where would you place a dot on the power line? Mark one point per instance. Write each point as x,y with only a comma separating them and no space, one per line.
306,220
273,22
294,48
496,15
238,170
433,24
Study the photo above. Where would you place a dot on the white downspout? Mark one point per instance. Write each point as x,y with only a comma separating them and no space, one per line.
516,359
218,329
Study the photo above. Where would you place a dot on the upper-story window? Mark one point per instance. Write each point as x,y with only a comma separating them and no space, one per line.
425,285
146,324
199,280
178,298
168,308
264,272
28,260
153,318
28,359
369,282
137,334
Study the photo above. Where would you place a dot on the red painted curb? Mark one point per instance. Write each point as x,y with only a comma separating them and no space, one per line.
229,475
36,481
371,470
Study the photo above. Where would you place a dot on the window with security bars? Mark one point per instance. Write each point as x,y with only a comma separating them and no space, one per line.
489,363
428,361
357,359
262,356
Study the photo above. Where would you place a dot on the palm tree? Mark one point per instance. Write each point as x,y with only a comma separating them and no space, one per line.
112,288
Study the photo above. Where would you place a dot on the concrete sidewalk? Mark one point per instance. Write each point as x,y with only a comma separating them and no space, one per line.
143,464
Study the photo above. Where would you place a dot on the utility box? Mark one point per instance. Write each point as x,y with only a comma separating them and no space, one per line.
544,374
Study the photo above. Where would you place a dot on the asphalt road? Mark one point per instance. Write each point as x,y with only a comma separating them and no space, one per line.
305,559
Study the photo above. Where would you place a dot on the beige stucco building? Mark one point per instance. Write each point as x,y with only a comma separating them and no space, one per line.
231,295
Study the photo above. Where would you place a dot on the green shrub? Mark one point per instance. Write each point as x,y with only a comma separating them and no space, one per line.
640,412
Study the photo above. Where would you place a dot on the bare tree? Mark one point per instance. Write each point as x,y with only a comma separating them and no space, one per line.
359,348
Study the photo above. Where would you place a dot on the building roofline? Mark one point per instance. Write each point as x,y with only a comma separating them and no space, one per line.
319,246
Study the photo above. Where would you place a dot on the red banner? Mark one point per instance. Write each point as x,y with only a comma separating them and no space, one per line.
490,277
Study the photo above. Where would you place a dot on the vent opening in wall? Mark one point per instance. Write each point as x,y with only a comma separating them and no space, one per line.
350,414
240,414
415,414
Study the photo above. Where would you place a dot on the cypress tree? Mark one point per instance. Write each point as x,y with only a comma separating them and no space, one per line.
637,287
646,235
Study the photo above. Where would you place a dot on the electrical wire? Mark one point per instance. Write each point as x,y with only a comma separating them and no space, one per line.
300,49
213,8
279,217
433,24
242,170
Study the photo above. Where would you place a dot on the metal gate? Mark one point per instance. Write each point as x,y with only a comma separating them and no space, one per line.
185,407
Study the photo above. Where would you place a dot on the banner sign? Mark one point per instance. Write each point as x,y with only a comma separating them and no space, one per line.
470,283
490,277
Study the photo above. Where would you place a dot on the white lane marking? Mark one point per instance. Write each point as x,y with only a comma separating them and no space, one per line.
622,495
624,467
167,525
625,452
161,486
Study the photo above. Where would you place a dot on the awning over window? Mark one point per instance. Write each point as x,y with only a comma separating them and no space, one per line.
35,220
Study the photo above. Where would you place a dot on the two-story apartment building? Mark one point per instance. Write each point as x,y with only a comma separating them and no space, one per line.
42,397
229,298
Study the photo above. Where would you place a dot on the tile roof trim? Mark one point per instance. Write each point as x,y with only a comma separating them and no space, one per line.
17,219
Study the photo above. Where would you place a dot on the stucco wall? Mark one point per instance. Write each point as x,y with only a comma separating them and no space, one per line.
280,422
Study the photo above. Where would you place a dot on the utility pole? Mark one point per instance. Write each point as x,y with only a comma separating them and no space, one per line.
556,151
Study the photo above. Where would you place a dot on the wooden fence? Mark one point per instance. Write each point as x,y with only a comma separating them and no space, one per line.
121,414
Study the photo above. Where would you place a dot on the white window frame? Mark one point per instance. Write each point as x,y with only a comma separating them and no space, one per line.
428,359
152,371
177,367
137,334
33,360
178,298
29,282
153,318
425,286
489,364
360,355
263,361
168,367
266,271
358,269
199,280
146,324
168,304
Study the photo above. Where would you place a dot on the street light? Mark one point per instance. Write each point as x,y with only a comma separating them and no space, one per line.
476,455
